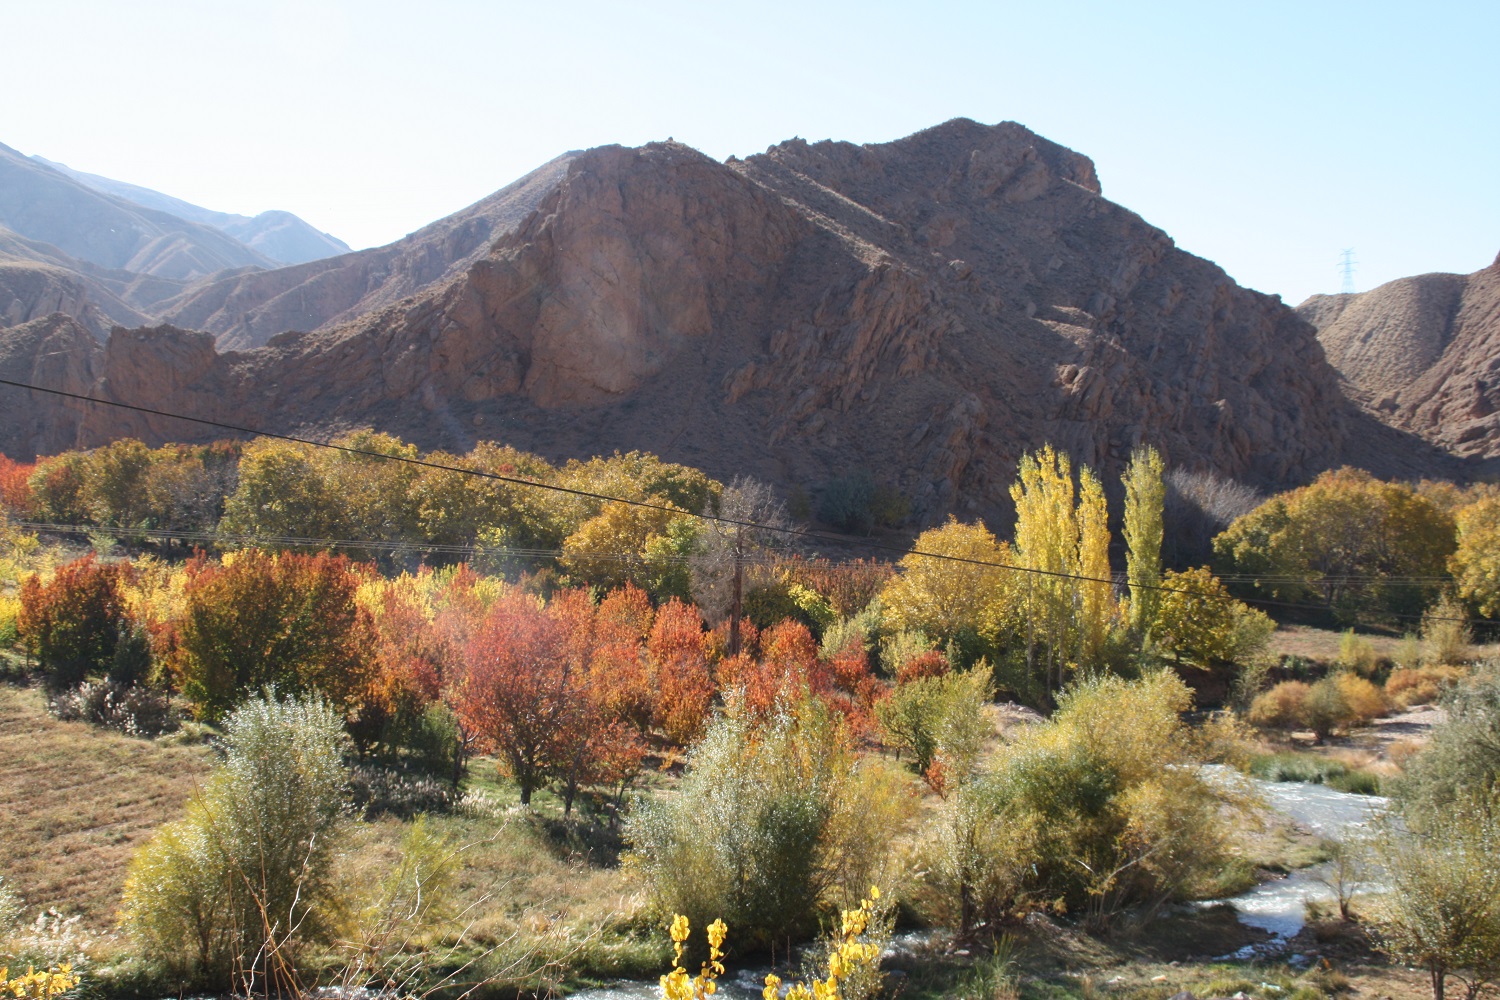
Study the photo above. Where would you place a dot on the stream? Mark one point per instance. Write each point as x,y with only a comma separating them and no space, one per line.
1279,906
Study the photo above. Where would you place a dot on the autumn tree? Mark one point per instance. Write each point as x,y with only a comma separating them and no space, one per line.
677,659
455,507
1145,496
1476,562
74,621
1060,530
623,544
1337,537
1198,621
282,493
514,692
620,678
15,490
288,621
1096,599
59,488
952,586
115,483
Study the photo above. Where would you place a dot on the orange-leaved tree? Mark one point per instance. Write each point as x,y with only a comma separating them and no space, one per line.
516,691
677,659
73,622
288,621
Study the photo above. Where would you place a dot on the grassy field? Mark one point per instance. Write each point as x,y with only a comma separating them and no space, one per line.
78,800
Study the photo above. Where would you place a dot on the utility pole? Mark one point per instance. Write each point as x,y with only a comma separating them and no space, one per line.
739,585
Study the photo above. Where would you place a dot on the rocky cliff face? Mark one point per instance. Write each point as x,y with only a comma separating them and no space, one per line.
1423,355
922,310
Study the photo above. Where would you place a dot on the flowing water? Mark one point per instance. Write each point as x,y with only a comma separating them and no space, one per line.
1280,905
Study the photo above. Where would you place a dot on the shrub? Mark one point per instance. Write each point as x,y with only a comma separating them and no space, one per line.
74,621
228,894
1462,758
1280,707
377,790
132,709
1406,687
771,826
1441,909
1358,654
937,718
1101,808
1325,708
1364,700
1445,631
854,504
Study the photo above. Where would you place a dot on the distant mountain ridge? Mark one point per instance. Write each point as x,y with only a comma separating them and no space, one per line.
42,204
280,236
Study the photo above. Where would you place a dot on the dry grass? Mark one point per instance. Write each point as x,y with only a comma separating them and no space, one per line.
1322,644
78,800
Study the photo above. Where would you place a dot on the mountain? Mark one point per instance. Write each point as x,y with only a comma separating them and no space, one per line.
922,310
1422,354
40,203
247,309
281,236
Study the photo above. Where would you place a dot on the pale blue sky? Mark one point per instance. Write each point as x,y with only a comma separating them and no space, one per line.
1264,136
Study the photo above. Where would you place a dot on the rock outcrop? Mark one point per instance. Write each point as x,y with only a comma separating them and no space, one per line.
922,310
1423,355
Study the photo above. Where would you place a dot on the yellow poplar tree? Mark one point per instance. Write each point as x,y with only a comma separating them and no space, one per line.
1145,496
1046,542
1096,604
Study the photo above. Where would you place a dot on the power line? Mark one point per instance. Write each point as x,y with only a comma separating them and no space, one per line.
646,504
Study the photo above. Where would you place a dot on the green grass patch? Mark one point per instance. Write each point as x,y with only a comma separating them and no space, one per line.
1315,770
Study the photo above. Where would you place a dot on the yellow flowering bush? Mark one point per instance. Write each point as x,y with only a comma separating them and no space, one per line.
852,958
849,959
676,985
38,985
